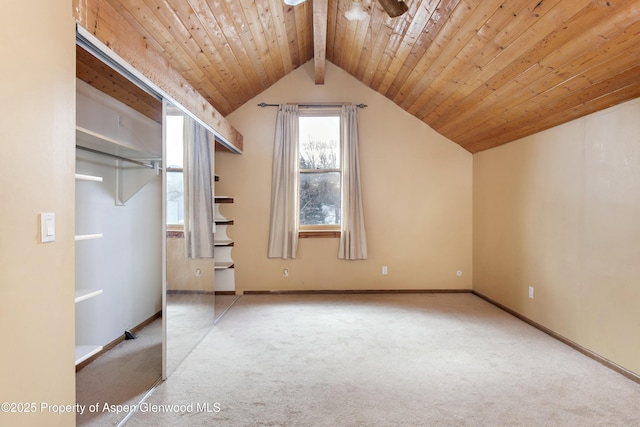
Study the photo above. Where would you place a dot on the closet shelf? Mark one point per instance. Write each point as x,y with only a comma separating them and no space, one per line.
81,177
104,144
222,265
223,199
88,236
83,352
84,294
223,221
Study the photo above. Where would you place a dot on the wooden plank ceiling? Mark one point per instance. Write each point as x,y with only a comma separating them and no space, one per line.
480,72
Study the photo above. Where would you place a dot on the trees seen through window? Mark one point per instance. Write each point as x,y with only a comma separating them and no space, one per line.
320,172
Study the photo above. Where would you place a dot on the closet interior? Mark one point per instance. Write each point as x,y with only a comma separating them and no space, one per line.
132,276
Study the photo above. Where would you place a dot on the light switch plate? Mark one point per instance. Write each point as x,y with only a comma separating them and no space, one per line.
47,227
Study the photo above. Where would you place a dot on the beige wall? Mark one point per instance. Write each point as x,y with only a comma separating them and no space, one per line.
559,211
417,197
37,119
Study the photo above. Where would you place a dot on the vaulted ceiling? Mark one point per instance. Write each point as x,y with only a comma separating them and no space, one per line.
480,72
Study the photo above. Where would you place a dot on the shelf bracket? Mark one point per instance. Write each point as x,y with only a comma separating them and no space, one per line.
130,178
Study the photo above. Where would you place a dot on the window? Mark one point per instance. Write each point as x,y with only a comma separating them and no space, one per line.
321,163
320,176
174,169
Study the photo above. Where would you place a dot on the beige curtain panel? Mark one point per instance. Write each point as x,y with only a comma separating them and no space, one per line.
198,190
283,233
353,239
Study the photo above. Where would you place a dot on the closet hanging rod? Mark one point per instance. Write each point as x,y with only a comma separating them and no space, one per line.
320,104
138,162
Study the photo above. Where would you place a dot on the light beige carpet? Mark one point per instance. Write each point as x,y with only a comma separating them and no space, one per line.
385,360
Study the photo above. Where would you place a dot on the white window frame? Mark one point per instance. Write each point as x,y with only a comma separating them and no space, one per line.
319,230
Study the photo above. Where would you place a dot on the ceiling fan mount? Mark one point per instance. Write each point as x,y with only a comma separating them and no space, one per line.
394,8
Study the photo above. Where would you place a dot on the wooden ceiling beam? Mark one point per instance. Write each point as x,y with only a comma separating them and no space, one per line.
319,39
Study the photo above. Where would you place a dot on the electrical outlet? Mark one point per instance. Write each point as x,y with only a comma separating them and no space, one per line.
385,270
285,272
531,292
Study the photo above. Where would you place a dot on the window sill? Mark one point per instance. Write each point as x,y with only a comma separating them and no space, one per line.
318,233
175,230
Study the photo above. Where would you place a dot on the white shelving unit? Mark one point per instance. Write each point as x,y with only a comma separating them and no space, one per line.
84,351
224,265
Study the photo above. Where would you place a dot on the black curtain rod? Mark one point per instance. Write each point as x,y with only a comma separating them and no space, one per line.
264,104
